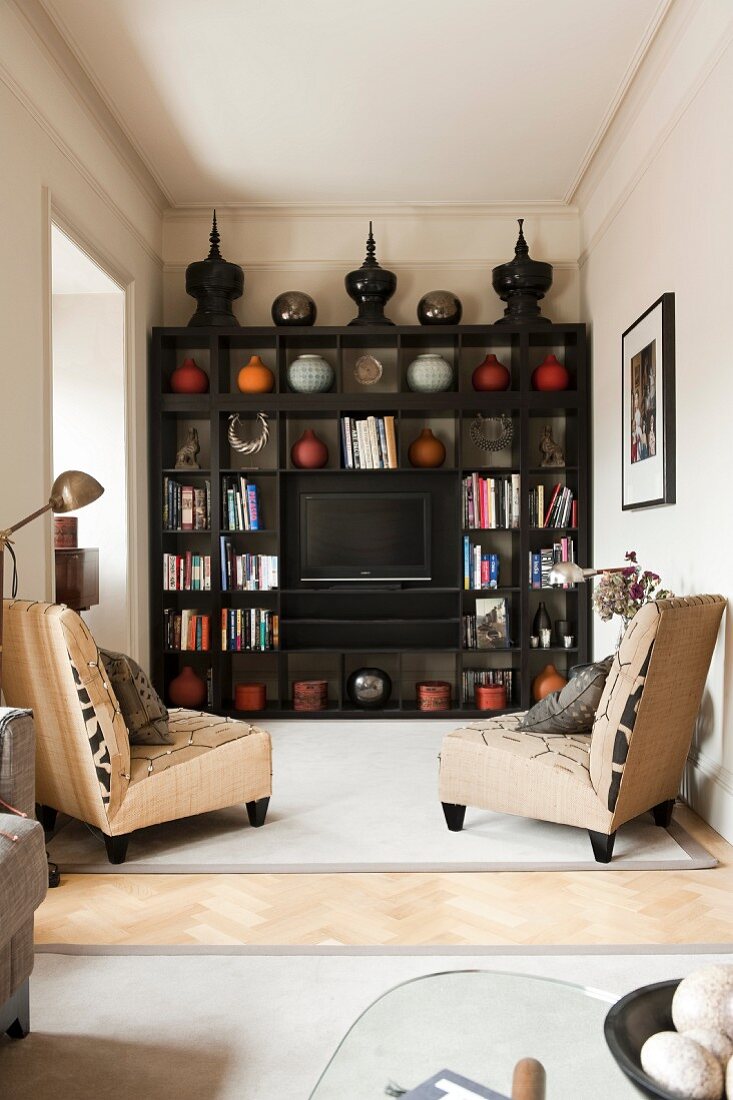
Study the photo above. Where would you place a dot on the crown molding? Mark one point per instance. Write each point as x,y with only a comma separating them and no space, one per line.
652,29
58,45
92,182
233,211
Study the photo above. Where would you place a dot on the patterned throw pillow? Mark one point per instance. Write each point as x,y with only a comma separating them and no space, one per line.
142,709
573,709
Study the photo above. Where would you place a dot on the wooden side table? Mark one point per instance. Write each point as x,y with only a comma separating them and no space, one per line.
77,578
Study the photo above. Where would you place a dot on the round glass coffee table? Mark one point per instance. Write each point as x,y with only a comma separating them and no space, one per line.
478,1023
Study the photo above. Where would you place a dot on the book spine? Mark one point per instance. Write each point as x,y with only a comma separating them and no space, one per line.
187,508
253,507
391,442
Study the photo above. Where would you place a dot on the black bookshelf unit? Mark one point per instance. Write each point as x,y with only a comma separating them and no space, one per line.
414,631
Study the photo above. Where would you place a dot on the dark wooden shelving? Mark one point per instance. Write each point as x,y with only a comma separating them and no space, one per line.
343,621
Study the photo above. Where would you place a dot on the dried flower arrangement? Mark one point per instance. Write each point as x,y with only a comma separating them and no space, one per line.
624,592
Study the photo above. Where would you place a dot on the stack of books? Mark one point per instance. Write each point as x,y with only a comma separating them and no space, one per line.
255,629
491,502
240,505
368,443
561,511
480,570
186,630
489,676
186,507
542,561
186,572
246,572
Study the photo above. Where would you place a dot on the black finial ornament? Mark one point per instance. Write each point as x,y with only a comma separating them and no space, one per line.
214,284
522,283
371,287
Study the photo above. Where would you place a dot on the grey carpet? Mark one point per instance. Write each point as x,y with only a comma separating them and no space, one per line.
362,796
223,1027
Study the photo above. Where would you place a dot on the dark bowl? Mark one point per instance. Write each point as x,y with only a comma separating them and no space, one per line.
629,1024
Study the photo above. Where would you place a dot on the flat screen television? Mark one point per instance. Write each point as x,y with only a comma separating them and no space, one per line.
365,536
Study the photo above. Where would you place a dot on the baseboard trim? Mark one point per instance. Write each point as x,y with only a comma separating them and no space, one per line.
420,950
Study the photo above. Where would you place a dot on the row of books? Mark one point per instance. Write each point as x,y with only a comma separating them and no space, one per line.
240,505
560,511
246,572
368,443
186,507
473,676
542,561
491,502
187,572
480,570
488,628
186,630
249,628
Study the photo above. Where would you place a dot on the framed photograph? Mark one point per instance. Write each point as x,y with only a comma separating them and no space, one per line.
492,624
648,408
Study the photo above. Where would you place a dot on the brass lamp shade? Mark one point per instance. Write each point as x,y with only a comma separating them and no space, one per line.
567,572
73,489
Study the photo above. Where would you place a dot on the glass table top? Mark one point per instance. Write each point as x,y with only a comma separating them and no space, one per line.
478,1023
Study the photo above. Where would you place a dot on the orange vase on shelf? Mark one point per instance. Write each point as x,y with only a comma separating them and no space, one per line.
255,377
189,378
427,451
491,375
547,681
550,375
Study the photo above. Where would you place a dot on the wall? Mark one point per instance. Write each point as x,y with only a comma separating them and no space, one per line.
656,218
56,146
429,246
89,434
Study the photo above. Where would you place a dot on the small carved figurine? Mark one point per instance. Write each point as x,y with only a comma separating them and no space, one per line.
552,453
186,457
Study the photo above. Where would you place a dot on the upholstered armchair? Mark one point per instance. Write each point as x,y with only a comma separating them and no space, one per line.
631,762
85,765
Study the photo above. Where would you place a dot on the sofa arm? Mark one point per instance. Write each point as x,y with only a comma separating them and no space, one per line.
23,873
17,759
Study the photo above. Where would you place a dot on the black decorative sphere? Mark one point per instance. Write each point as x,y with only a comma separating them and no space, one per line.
369,688
439,307
214,283
371,286
522,283
294,307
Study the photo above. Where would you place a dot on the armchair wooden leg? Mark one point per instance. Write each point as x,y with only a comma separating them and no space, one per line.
602,845
20,1005
47,817
454,816
257,812
663,813
116,847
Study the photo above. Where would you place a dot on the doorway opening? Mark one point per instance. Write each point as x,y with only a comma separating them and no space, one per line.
88,419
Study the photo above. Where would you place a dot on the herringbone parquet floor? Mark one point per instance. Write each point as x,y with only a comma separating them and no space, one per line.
502,909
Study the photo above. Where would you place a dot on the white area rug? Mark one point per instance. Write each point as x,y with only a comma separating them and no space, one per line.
234,1028
363,796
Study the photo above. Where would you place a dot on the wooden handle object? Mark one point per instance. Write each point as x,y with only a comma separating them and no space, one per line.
528,1082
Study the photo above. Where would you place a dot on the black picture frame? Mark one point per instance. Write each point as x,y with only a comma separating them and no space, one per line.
648,434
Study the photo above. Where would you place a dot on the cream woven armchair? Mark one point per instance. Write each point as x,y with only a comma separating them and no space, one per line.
85,765
634,758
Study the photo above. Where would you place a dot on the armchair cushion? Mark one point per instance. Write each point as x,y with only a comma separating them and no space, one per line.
145,716
573,709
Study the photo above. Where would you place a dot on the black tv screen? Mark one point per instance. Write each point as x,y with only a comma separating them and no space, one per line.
365,536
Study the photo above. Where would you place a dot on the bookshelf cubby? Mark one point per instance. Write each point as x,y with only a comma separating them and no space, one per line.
414,631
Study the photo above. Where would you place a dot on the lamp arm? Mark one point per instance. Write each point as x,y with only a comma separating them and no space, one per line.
28,519
611,569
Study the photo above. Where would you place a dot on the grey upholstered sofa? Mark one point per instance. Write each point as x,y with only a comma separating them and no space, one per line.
23,868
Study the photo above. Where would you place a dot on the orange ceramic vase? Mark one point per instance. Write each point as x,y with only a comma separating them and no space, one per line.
426,451
547,681
255,377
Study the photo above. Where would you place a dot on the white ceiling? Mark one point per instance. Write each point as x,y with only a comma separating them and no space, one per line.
333,101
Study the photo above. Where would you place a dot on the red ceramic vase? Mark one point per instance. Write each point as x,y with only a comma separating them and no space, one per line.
490,375
309,452
550,375
189,378
187,689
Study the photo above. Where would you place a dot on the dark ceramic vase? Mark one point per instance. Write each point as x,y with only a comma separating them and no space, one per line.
309,452
214,284
371,287
439,307
491,375
369,688
189,378
550,375
522,283
187,689
293,307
